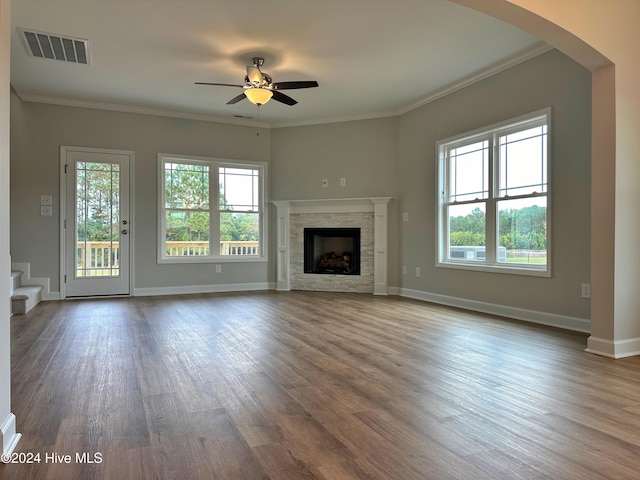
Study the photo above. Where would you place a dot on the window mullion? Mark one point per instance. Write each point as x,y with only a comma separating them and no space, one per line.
443,250
214,209
491,228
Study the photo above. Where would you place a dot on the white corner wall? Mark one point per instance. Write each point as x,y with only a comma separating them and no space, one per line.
8,436
604,37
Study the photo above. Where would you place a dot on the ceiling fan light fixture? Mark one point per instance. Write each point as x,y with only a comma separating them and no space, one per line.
258,96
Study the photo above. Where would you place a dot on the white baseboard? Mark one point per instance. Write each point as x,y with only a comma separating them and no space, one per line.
190,289
533,316
51,296
8,436
613,349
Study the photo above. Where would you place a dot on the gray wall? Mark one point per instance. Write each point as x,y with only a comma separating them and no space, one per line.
38,130
393,156
551,80
364,152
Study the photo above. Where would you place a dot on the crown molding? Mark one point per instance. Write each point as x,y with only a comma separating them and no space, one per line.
454,87
513,61
115,107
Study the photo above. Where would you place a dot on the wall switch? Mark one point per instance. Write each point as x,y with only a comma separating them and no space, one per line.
586,290
417,271
343,182
405,216
404,269
218,268
46,211
325,182
46,200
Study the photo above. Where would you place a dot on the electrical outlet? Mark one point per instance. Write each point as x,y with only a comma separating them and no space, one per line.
218,268
417,271
343,182
325,182
404,269
586,290
405,216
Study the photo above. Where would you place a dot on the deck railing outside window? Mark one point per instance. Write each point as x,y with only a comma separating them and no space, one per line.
95,256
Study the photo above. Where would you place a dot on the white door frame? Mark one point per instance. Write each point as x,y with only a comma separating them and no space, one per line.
63,210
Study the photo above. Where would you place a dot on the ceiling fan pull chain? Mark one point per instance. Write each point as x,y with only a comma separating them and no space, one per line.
258,117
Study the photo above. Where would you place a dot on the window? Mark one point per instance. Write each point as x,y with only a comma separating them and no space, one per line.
493,197
210,210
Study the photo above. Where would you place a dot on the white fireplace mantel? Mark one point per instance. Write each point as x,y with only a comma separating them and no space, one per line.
377,205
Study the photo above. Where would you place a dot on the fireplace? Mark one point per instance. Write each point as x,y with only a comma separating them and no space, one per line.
333,251
369,215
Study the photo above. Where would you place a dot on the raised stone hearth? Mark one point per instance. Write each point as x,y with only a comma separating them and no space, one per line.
367,214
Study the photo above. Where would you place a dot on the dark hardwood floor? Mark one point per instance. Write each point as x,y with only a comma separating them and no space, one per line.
305,385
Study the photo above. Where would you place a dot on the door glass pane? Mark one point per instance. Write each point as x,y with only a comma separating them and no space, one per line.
97,219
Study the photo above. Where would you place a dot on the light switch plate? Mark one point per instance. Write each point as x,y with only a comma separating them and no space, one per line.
46,200
46,211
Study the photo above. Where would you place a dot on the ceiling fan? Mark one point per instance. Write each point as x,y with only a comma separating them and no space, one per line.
259,87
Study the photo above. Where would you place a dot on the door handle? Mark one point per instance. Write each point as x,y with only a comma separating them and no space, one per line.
124,232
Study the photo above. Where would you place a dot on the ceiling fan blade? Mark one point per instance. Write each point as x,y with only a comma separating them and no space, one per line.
255,75
240,97
295,85
219,84
282,98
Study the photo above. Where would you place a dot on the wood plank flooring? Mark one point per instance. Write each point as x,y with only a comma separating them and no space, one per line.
310,385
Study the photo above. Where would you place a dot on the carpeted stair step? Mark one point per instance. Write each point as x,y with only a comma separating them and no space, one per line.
24,298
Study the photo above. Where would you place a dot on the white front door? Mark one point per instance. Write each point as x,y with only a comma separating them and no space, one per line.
96,222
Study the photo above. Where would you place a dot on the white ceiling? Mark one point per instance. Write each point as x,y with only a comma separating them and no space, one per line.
371,57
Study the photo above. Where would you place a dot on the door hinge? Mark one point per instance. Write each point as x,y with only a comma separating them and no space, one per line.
65,223
65,168
65,278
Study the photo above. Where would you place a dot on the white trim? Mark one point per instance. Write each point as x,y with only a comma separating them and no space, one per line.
8,435
213,162
543,318
64,149
192,289
613,349
489,72
376,205
115,107
541,117
443,92
332,205
393,290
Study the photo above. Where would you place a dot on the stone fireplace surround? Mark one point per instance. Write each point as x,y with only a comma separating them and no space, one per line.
369,214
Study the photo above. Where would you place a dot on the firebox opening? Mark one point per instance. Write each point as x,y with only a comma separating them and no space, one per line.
333,251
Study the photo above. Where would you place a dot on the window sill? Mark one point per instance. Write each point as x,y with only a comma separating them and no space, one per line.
509,270
204,260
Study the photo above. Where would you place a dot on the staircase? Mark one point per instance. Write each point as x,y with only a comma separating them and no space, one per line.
23,298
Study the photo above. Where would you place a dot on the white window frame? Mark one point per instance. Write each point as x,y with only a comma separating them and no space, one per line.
491,132
214,255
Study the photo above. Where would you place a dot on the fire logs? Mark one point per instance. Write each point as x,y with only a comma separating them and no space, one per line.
333,262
